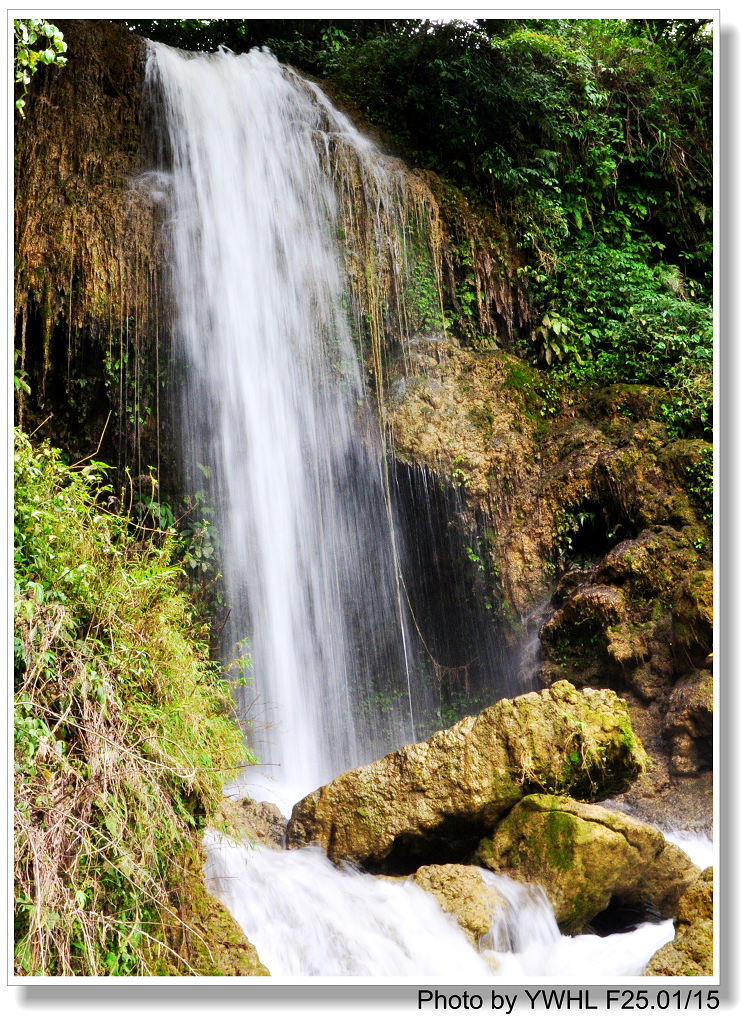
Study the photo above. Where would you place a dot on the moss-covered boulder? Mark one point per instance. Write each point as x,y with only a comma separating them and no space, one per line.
577,630
461,892
649,566
433,801
613,621
586,856
690,954
640,621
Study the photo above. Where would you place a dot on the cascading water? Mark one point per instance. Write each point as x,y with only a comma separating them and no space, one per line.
262,179
309,918
274,411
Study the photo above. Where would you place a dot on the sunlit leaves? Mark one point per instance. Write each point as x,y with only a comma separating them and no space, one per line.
37,42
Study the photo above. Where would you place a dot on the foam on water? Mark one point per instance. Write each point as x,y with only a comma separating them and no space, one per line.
308,918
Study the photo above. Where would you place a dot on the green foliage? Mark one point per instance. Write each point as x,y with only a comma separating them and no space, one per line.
589,139
627,321
123,734
593,137
700,485
37,42
421,293
20,384
568,524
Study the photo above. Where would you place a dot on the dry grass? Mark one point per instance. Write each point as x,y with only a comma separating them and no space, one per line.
122,733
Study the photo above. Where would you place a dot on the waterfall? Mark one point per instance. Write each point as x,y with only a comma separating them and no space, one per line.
292,240
275,421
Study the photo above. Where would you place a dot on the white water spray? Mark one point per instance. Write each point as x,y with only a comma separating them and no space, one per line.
311,919
274,412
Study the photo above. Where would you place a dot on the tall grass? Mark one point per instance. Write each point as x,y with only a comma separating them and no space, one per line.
124,732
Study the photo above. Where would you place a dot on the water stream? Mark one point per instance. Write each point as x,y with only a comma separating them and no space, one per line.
274,419
276,426
311,919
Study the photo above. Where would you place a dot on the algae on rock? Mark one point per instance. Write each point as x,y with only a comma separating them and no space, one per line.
199,936
586,856
88,296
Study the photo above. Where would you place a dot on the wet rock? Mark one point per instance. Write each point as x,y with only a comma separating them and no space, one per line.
262,822
591,487
575,635
691,951
689,723
432,801
462,893
693,619
650,565
585,857
624,401
571,582
198,933
590,607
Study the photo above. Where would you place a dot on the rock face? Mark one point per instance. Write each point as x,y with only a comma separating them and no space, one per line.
462,893
198,932
690,953
688,724
589,489
82,216
433,801
586,856
693,621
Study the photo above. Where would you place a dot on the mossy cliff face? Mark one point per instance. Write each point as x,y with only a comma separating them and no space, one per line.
583,500
199,936
433,801
88,296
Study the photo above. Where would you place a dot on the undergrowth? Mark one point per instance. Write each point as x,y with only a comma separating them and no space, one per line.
122,725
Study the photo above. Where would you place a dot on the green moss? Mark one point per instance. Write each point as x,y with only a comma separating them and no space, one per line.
559,837
197,935
482,419
484,848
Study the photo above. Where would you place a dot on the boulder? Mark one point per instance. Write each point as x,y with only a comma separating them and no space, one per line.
575,635
462,893
586,856
433,801
263,822
691,951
